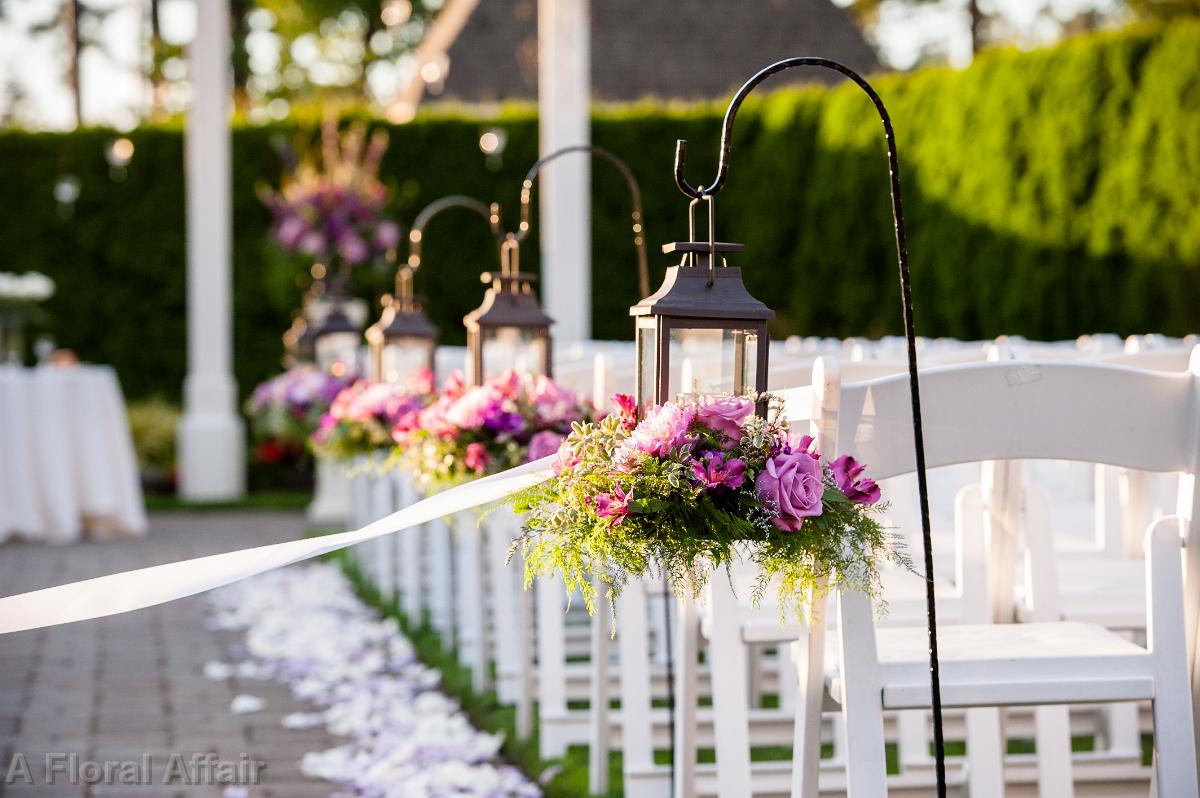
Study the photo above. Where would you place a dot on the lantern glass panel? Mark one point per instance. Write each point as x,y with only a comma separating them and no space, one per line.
647,359
513,349
401,358
713,360
337,352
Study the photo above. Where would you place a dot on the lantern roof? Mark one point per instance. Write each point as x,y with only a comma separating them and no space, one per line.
509,302
335,322
688,291
399,322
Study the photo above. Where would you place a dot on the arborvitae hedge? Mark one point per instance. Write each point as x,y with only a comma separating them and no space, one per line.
1048,194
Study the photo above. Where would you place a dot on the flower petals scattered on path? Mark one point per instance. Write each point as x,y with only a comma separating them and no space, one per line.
305,627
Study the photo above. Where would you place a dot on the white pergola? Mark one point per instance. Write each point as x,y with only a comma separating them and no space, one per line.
211,435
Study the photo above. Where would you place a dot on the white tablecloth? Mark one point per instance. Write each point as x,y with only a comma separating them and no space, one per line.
67,465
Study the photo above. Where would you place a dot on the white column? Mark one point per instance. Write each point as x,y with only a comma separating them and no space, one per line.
211,437
564,106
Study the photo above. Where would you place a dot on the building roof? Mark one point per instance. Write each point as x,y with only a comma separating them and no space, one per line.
678,49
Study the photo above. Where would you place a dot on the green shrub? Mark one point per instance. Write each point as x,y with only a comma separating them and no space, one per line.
152,421
1048,193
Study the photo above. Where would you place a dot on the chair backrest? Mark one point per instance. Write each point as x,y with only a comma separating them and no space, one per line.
1021,410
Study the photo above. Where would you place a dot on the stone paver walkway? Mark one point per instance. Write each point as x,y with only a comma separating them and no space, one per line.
132,686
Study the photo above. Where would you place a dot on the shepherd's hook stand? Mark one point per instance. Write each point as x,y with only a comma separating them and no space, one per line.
705,192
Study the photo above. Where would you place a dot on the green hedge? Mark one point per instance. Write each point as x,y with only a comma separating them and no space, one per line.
1048,194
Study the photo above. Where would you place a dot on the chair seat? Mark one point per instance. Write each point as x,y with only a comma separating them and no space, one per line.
1013,664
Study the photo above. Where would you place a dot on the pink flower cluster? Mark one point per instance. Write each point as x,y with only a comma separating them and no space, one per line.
374,408
499,424
709,436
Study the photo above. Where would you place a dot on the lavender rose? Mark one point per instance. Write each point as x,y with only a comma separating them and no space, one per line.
725,414
791,486
847,473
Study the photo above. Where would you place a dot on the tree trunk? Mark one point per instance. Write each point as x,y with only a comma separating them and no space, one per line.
70,22
977,20
238,9
156,59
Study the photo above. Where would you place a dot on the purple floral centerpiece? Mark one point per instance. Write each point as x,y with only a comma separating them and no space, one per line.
285,410
694,485
468,432
334,212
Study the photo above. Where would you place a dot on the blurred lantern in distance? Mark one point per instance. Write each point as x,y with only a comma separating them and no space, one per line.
404,340
335,337
509,331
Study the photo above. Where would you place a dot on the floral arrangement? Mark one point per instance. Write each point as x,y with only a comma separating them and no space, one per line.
694,485
19,297
468,432
26,288
361,418
334,210
285,410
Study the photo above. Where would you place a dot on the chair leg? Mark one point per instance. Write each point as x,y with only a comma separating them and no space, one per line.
809,656
985,753
1052,727
728,657
913,743
1121,736
1174,742
861,698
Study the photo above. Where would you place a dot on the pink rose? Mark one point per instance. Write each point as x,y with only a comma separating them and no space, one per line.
477,457
544,444
847,473
725,414
791,486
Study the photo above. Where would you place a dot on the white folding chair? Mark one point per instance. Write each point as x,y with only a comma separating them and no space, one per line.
1001,411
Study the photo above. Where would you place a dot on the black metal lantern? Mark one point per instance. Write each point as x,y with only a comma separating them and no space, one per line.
509,331
336,338
702,331
404,340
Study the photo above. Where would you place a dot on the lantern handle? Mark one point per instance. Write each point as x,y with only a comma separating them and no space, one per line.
635,195
415,236
909,330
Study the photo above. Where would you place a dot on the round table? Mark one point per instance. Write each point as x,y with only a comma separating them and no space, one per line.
67,464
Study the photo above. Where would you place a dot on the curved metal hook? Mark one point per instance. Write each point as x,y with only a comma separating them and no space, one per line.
736,103
635,194
909,330
490,214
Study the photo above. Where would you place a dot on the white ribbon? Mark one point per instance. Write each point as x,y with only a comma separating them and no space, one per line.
145,587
